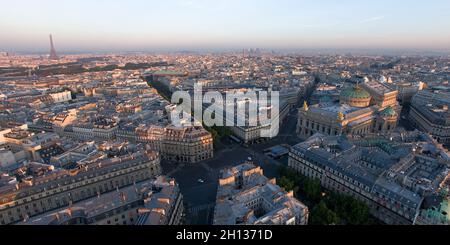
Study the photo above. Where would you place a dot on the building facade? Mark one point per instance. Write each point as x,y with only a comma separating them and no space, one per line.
370,108
60,188
429,113
391,178
151,202
249,134
184,145
99,129
246,196
61,97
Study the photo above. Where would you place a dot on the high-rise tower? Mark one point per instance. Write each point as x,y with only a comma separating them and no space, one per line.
53,55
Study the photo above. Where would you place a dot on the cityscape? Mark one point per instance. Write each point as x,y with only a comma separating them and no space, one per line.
319,135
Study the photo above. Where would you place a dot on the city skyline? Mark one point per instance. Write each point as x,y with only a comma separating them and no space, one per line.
248,137
201,25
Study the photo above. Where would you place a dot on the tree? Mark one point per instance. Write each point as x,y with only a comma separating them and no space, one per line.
313,190
322,215
334,208
352,211
288,184
292,175
356,212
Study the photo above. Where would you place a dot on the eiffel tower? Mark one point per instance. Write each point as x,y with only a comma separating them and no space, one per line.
53,55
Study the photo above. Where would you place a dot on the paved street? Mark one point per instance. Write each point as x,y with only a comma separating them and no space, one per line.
200,197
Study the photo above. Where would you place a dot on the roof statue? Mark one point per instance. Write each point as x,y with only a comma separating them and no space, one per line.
305,106
341,116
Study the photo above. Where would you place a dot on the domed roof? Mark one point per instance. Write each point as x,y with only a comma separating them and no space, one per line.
389,112
355,92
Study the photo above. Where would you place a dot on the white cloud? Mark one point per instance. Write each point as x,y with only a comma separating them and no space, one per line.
372,19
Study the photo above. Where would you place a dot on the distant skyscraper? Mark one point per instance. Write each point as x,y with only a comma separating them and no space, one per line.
53,55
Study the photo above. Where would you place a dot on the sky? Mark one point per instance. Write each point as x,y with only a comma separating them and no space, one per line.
151,25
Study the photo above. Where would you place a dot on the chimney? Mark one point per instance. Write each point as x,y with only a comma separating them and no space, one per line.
142,211
123,197
159,211
164,200
290,194
273,181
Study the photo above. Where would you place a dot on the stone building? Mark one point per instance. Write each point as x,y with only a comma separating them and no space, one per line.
249,134
392,178
246,196
61,188
369,108
99,129
429,113
151,202
184,145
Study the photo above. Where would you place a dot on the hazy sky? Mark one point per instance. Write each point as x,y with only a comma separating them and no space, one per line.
209,24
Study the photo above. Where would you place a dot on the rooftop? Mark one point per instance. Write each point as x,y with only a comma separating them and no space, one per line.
378,87
355,92
59,177
395,170
244,184
152,194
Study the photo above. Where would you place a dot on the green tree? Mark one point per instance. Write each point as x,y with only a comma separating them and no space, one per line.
360,214
313,190
352,211
288,184
322,215
292,175
335,207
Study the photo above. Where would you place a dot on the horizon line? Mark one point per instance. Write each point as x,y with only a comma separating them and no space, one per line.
233,50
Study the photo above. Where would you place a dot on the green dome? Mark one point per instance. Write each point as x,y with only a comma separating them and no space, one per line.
355,93
389,112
